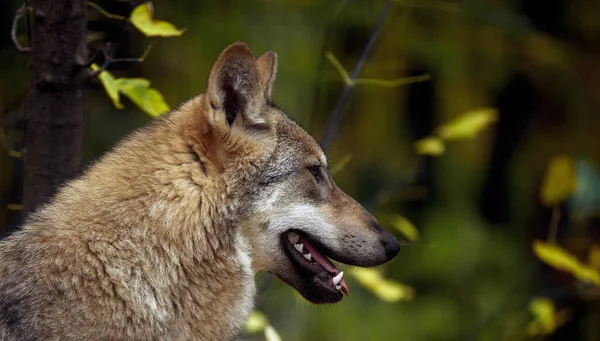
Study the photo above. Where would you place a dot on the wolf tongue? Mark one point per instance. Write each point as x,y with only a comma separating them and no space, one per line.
324,262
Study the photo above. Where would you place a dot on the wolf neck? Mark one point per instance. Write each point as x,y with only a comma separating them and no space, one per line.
154,193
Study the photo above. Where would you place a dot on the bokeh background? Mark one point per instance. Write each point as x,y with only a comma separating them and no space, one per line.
476,206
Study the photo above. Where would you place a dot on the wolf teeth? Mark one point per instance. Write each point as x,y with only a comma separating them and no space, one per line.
308,256
299,247
293,237
339,287
338,278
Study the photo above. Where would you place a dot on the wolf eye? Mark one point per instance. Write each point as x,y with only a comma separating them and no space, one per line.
315,170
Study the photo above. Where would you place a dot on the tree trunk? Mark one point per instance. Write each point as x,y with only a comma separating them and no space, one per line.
56,103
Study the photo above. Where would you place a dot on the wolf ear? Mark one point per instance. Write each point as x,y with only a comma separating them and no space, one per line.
267,69
235,86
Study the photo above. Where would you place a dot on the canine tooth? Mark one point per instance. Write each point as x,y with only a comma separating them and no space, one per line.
308,256
299,247
338,278
293,237
339,287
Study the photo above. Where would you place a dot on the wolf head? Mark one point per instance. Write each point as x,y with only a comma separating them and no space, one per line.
294,216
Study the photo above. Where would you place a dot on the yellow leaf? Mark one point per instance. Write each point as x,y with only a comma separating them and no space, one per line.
468,125
560,180
110,85
271,334
14,153
560,259
406,227
145,97
141,18
430,146
546,318
256,322
543,312
385,289
14,207
594,257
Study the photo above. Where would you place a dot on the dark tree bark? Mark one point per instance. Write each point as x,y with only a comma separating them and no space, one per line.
56,103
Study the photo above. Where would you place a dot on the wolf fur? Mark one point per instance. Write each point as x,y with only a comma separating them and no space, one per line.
161,237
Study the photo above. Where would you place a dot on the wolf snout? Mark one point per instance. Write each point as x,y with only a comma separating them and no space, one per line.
391,246
390,243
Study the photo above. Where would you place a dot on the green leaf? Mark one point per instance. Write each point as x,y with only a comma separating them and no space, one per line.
141,18
468,125
560,181
145,97
560,259
405,227
256,322
430,146
110,85
385,289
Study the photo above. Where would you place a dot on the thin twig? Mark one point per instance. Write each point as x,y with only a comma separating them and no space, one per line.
392,83
13,32
105,13
337,109
92,58
372,81
108,59
554,221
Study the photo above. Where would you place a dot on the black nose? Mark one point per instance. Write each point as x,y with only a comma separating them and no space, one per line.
392,247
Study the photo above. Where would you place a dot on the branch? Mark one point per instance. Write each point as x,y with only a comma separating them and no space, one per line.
392,83
108,59
13,32
337,109
553,226
104,12
372,81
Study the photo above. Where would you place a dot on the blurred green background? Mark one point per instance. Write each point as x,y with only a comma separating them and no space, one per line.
477,206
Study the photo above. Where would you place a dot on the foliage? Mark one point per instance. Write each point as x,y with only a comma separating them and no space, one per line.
140,92
137,89
405,227
560,259
560,181
466,126
141,18
546,318
258,322
431,145
110,85
386,289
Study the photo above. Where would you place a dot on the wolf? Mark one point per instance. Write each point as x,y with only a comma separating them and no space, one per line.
161,237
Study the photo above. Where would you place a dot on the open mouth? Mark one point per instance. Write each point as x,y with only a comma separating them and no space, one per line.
310,261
